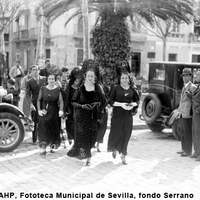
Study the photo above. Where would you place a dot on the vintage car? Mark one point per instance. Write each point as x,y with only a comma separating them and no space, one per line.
13,123
164,87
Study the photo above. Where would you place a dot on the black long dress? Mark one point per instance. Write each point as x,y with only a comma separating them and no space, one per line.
86,121
70,122
102,125
122,120
49,125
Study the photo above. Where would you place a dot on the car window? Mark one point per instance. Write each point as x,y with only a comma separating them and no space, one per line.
159,75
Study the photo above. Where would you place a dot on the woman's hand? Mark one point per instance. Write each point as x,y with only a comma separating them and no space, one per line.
60,113
87,107
128,106
33,107
95,104
124,106
42,112
131,105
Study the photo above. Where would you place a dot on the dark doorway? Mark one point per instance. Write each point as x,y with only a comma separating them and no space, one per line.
136,63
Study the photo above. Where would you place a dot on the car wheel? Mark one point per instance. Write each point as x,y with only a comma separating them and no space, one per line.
151,108
176,129
11,132
156,127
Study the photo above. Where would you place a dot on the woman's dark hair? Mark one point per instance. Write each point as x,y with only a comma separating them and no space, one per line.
123,66
91,64
64,69
75,74
128,74
52,74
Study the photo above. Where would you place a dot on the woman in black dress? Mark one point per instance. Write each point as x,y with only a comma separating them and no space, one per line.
123,98
50,108
74,79
89,101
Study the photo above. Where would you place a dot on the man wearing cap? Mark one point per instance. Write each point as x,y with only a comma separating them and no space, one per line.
184,111
16,73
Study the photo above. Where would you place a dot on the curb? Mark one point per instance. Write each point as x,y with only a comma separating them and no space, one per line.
140,127
136,127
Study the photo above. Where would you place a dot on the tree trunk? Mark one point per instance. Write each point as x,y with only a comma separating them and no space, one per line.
164,48
86,38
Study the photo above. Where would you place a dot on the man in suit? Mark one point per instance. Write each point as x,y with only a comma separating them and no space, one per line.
184,111
32,91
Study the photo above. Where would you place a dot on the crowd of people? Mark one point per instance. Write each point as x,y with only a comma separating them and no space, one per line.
79,100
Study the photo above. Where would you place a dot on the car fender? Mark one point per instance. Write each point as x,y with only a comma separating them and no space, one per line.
9,108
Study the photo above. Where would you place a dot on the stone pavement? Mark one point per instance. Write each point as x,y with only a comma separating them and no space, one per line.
153,168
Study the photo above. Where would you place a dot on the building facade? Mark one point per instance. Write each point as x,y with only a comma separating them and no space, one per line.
64,44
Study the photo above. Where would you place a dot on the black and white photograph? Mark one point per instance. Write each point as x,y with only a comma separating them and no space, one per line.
100,99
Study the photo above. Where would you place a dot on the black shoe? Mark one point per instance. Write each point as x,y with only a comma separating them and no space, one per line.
185,154
194,155
70,142
114,153
123,160
88,163
43,153
198,158
52,148
180,152
34,140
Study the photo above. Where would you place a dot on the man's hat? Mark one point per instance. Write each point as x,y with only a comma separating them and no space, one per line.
186,71
47,60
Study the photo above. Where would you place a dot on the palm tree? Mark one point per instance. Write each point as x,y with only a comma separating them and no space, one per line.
177,9
110,42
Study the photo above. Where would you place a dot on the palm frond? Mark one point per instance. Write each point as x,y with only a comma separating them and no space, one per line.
164,9
77,12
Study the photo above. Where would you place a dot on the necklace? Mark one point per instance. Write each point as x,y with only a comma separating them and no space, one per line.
126,93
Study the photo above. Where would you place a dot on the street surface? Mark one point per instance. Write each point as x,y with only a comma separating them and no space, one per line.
153,168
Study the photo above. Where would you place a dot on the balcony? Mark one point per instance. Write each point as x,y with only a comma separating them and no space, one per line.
194,38
21,35
176,37
33,33
26,35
